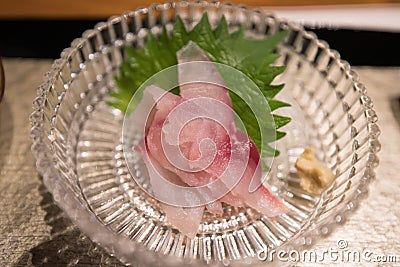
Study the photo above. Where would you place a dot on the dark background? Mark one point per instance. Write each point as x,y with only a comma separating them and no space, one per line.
35,38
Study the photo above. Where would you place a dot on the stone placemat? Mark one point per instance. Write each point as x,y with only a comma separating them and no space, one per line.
34,231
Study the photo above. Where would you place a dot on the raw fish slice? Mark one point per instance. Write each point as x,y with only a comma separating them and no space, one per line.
215,207
154,145
193,179
209,129
202,134
198,131
231,199
143,115
189,73
261,199
165,104
187,220
215,152
162,102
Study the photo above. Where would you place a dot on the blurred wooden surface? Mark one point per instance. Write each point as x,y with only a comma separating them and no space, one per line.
78,9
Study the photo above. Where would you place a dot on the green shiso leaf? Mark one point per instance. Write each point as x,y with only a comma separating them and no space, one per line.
253,57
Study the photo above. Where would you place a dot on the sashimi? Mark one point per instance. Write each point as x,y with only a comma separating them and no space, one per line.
192,141
187,220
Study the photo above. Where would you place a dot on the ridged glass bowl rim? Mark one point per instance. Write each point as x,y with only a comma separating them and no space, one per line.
44,161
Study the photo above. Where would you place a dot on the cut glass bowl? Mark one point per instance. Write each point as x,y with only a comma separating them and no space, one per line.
77,143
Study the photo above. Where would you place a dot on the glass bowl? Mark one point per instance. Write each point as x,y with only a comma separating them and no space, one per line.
77,144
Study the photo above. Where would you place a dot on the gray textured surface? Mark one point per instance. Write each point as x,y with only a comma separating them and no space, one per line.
33,231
